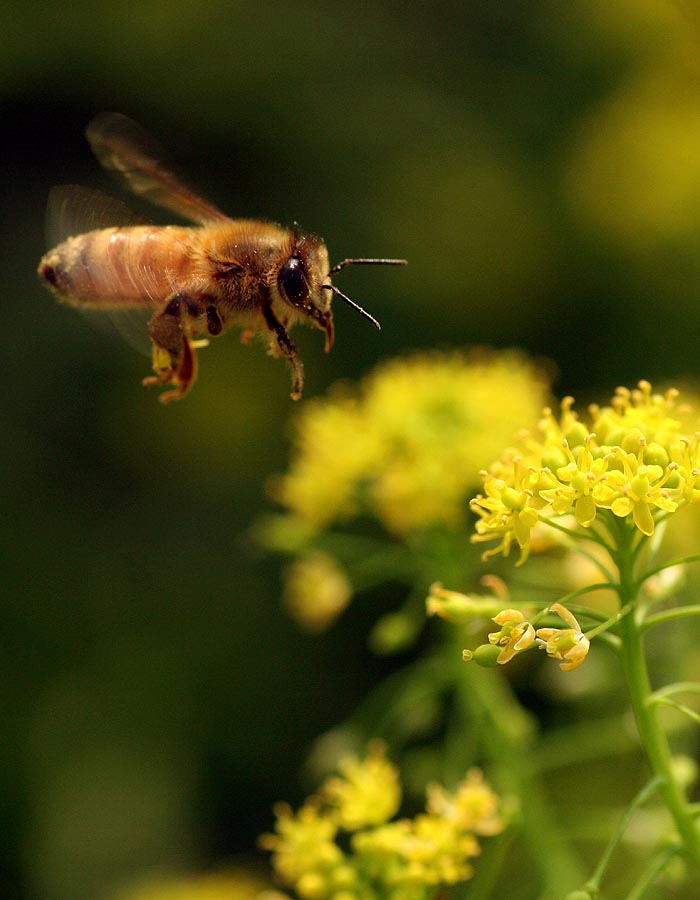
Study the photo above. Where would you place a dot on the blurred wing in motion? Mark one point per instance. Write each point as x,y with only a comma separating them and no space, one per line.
130,152
72,209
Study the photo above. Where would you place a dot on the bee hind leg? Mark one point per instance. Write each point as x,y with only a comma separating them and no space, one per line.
287,348
174,358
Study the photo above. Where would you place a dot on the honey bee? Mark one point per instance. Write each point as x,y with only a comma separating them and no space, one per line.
198,280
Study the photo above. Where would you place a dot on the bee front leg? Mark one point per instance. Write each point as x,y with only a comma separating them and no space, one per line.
174,359
286,347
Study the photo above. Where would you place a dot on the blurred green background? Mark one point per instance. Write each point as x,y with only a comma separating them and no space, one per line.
538,163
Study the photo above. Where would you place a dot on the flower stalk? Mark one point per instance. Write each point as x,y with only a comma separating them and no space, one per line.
633,658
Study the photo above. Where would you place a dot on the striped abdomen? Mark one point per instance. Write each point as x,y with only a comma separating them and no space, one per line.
117,267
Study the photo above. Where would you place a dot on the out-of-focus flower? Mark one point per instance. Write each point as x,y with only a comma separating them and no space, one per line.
473,806
424,853
631,170
665,583
407,447
365,792
316,591
304,850
461,608
405,859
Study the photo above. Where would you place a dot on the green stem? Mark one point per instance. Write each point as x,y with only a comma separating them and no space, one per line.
588,535
621,614
681,561
680,707
678,687
652,735
669,615
651,872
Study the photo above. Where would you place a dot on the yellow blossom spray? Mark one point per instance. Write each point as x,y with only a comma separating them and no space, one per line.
612,484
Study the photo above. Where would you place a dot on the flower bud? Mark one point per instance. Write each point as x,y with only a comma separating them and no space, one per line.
485,655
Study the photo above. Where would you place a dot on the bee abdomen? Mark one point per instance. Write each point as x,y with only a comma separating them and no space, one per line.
116,266
49,273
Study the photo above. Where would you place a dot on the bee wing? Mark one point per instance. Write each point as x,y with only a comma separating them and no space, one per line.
72,209
126,149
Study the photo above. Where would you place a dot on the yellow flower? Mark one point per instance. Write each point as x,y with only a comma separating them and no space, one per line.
406,446
508,510
576,483
365,792
316,591
636,488
516,634
568,644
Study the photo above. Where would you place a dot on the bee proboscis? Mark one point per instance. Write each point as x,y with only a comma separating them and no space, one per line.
198,280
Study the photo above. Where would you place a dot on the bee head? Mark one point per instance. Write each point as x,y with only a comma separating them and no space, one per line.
304,280
300,282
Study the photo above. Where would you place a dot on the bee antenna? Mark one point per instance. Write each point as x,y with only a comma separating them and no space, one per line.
367,262
334,289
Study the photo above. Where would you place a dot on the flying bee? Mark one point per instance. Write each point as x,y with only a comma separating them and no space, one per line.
199,280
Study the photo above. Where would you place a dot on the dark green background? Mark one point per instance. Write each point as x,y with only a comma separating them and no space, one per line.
155,701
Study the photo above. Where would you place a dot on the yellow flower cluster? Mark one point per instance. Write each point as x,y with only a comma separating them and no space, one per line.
404,859
406,448
636,461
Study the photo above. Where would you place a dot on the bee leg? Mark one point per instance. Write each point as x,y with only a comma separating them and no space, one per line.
174,359
286,347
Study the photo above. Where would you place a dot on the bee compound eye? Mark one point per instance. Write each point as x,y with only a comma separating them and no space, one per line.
292,280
